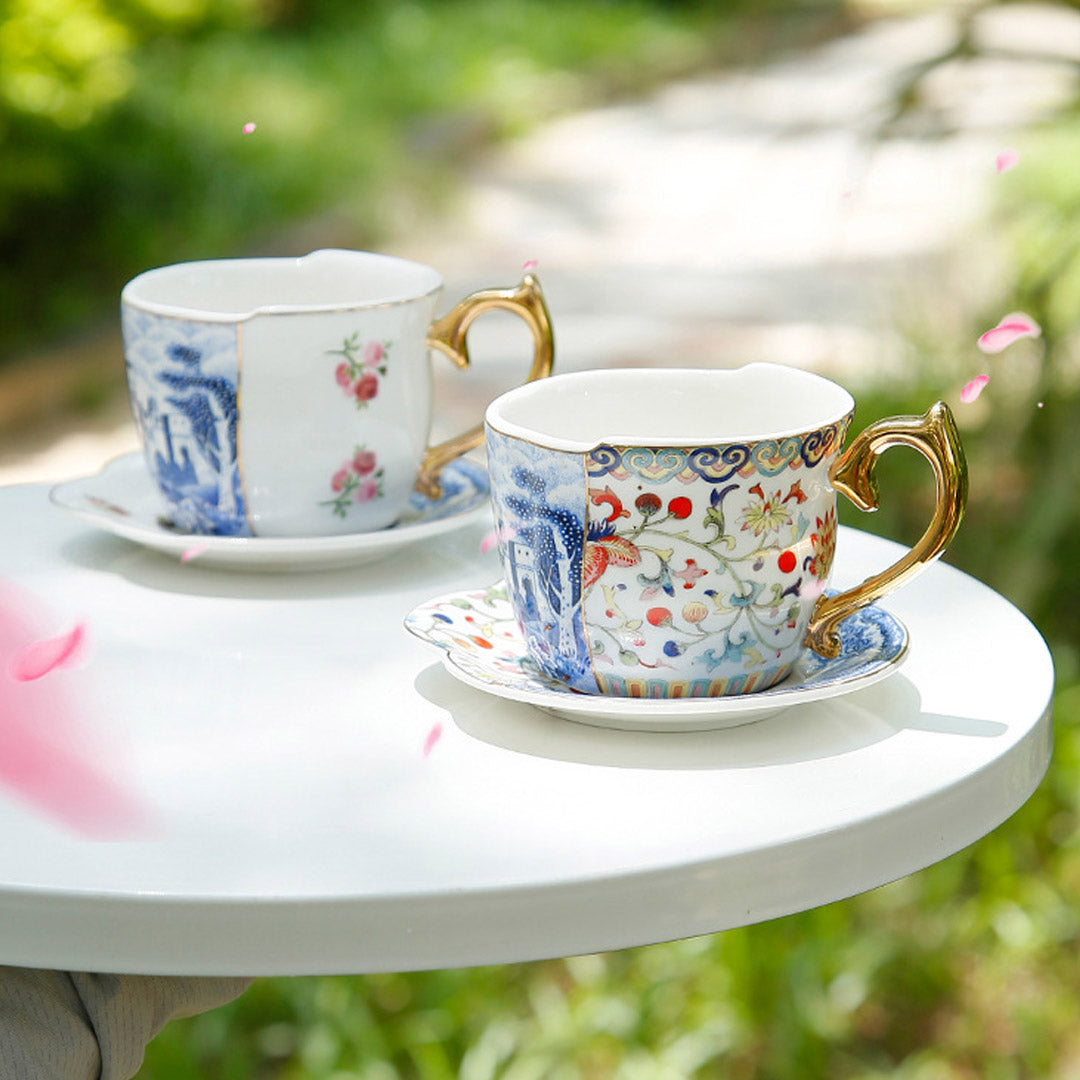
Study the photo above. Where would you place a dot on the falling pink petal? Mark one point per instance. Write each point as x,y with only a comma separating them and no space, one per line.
40,657
193,552
249,127
1006,160
50,755
433,736
1039,405
531,264
973,389
496,537
1010,329
846,194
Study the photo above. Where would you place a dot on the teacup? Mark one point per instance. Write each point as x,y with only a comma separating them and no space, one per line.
293,396
670,533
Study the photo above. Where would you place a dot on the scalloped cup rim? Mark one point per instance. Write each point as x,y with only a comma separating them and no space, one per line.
837,404
193,312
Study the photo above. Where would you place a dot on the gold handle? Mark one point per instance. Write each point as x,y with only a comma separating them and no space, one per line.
448,336
935,436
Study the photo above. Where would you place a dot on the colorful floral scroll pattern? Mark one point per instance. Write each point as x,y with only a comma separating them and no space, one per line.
721,574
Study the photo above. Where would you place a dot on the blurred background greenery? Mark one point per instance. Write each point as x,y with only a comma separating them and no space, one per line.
120,149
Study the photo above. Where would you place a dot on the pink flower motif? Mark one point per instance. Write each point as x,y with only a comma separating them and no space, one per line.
367,386
374,353
339,480
363,463
367,491
1010,329
973,389
341,373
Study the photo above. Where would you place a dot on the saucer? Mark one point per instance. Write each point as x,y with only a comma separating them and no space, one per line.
123,500
485,649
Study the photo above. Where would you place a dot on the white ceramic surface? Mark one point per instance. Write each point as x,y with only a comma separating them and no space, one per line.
256,383
484,648
321,796
121,499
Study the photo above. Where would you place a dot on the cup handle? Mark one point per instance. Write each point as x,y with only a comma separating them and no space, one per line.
448,336
935,436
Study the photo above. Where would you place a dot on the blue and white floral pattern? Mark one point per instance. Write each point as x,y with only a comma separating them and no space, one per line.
183,377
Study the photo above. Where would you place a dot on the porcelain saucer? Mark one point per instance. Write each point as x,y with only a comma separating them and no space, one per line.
484,649
123,500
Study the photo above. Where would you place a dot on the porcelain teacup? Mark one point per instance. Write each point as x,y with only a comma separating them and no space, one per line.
293,396
671,533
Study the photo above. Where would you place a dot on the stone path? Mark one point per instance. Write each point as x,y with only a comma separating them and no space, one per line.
751,215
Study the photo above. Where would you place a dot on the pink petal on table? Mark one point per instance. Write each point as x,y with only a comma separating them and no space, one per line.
433,736
249,127
1006,160
193,552
40,657
531,264
1010,329
973,389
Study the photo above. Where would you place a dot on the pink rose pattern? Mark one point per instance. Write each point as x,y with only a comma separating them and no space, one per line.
358,480
360,368
362,365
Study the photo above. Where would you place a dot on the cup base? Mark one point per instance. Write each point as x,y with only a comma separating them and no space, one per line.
749,683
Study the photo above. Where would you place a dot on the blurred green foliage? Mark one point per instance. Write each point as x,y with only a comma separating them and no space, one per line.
122,140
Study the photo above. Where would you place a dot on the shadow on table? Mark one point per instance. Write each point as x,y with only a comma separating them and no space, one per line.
395,572
808,732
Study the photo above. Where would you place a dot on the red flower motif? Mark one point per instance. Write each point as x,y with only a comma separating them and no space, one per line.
373,353
341,373
648,503
824,541
367,386
339,479
680,508
608,496
658,616
367,491
363,463
605,552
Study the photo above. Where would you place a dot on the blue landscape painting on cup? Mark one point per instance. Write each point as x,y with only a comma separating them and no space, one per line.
183,378
539,506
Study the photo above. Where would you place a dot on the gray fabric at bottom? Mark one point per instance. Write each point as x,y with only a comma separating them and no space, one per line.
59,1025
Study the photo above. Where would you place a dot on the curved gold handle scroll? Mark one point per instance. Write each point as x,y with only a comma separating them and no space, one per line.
448,336
935,436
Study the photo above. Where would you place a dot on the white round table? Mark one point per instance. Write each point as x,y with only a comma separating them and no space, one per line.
319,796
